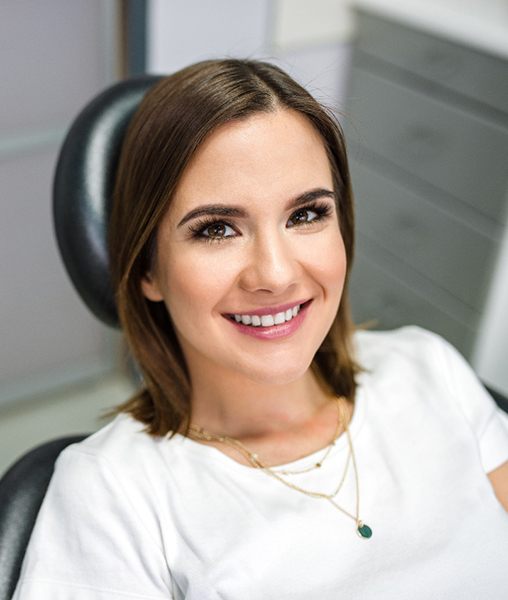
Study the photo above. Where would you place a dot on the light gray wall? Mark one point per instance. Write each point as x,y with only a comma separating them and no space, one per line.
54,56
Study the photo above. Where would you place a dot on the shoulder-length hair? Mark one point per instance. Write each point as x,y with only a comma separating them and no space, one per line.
171,122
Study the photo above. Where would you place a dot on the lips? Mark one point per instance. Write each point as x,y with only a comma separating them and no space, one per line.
270,319
277,331
270,315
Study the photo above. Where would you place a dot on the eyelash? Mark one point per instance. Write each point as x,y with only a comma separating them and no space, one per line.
322,210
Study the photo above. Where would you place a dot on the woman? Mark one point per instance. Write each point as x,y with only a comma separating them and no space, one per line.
273,452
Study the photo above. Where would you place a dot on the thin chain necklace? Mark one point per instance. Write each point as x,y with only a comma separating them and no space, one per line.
362,529
326,454
203,435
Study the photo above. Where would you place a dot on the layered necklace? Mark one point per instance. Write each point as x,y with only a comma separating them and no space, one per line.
363,530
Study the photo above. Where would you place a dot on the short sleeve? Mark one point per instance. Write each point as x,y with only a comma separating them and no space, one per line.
488,422
89,541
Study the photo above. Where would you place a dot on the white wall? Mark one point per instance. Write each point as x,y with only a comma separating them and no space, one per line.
310,40
181,32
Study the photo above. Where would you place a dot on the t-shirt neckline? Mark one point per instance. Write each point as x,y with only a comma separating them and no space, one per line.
206,453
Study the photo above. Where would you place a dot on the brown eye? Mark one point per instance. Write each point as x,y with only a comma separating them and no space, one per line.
217,231
304,215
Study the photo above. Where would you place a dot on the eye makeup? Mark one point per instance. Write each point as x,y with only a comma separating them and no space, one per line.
200,227
321,209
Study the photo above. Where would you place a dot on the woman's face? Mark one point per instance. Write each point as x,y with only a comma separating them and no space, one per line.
253,232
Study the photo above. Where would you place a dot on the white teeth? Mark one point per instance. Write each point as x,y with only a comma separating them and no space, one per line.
279,318
268,320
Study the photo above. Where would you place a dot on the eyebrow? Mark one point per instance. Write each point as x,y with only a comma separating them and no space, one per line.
225,210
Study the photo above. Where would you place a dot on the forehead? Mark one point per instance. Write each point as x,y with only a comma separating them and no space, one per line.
263,158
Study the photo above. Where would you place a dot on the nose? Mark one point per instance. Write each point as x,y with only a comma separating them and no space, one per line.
271,265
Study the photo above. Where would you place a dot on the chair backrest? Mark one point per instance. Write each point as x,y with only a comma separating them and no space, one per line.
83,187
500,399
22,490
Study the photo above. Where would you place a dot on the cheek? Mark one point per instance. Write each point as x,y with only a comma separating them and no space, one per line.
329,263
194,287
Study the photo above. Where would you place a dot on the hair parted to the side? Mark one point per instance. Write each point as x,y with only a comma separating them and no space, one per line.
171,122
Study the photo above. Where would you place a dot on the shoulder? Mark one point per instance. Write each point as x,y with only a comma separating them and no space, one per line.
414,354
112,460
120,434
421,369
122,444
98,531
410,347
119,461
102,492
404,364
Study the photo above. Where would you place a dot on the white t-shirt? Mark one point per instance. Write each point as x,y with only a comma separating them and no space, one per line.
131,516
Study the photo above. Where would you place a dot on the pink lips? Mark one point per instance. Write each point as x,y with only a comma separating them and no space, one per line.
274,331
273,310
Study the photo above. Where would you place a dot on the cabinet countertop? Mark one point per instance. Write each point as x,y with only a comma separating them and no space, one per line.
480,24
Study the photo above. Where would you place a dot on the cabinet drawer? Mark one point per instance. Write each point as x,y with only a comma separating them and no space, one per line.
451,149
438,245
470,72
378,295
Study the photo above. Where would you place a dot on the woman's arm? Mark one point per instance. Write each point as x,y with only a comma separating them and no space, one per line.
499,479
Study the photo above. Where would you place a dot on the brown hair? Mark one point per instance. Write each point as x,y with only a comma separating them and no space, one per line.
170,124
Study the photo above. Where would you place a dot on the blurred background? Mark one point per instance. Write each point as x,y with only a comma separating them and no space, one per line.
421,88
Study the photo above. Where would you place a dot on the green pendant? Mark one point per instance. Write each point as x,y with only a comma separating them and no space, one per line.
364,531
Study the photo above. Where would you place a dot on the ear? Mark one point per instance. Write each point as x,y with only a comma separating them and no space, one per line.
150,288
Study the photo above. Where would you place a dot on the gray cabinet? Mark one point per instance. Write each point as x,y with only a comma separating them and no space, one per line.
427,130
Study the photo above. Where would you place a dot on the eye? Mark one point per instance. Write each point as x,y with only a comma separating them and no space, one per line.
304,215
308,215
212,231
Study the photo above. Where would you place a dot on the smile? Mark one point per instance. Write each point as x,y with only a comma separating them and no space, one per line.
282,322
268,320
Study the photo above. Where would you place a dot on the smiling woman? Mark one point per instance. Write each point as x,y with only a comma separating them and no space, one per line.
273,178
273,451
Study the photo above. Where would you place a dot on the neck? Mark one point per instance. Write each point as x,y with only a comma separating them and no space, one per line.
233,405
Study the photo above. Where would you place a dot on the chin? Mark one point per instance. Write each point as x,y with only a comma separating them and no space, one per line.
274,376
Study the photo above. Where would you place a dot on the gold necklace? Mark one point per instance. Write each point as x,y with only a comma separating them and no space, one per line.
362,529
203,435
327,450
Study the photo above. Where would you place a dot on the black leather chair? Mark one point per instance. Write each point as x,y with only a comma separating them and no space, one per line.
500,399
83,184
82,191
22,489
